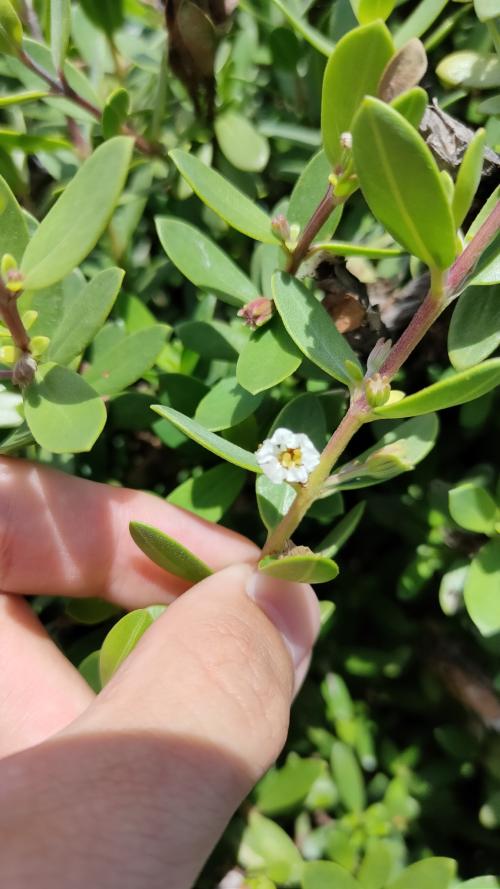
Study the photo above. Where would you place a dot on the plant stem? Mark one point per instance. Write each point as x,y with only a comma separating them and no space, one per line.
324,209
467,260
61,87
12,319
352,421
444,286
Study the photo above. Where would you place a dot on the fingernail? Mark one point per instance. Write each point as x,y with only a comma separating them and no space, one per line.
292,608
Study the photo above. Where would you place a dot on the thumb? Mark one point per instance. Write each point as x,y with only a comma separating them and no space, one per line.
187,725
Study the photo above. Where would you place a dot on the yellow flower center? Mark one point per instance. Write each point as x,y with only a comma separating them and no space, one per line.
291,457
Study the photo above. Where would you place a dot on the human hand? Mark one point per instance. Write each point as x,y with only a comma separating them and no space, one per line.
131,789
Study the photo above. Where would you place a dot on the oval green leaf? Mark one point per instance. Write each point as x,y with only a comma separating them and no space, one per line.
13,229
311,328
202,262
75,223
11,29
226,405
209,440
269,357
385,147
433,873
457,389
470,69
121,641
473,508
482,585
210,494
223,198
301,568
469,177
64,414
348,777
84,315
168,553
475,326
127,361
241,144
353,71
327,875
282,790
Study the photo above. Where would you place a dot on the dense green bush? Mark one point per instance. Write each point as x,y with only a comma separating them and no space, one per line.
260,223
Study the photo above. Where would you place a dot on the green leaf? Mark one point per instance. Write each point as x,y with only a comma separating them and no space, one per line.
127,361
209,440
367,11
214,340
226,405
487,270
266,848
210,494
22,98
486,9
353,71
420,19
385,147
469,177
241,144
301,25
474,331
308,191
90,611
473,508
348,777
115,112
269,357
470,70
282,790
311,328
168,553
60,29
273,500
64,414
122,639
89,669
341,248
431,873
327,875
223,198
108,15
203,263
84,315
13,228
340,534
17,440
378,865
11,30
408,443
75,223
300,568
481,589
455,389
412,105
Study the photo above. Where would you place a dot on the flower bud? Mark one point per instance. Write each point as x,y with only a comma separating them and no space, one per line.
257,312
377,390
387,462
24,370
280,227
7,266
39,345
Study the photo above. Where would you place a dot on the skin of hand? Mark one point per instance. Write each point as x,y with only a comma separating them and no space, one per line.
132,788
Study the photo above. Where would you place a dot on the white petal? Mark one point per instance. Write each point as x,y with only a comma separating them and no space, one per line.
274,471
297,474
283,438
266,451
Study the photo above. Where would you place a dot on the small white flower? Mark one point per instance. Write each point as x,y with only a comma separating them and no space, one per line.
287,457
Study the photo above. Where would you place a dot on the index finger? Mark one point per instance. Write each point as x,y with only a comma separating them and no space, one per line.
61,535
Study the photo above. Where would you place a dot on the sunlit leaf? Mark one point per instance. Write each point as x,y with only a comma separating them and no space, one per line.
168,553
